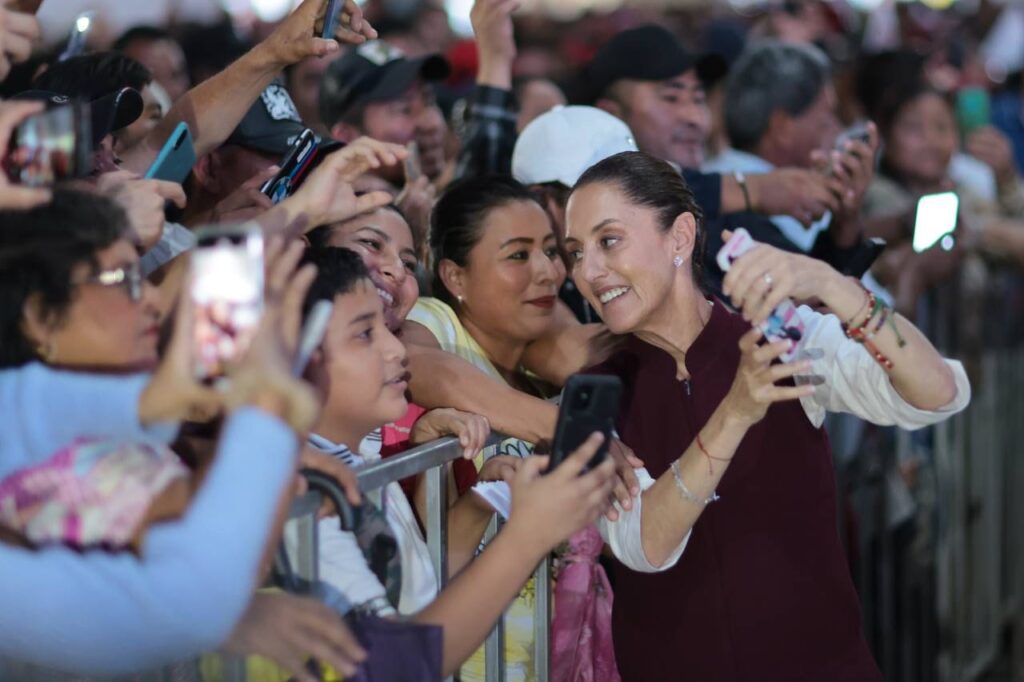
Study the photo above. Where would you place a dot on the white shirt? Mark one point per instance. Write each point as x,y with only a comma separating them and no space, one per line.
854,383
341,562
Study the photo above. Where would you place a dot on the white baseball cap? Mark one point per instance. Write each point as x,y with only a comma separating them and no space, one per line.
560,145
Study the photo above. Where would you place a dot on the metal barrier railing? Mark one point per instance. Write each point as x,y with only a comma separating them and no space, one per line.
431,460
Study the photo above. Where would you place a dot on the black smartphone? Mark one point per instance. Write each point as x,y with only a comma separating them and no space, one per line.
589,403
865,257
322,151
53,145
331,18
301,153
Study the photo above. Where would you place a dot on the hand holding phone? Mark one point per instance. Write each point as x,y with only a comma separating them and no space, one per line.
295,164
331,18
784,324
49,146
78,37
589,403
973,110
227,291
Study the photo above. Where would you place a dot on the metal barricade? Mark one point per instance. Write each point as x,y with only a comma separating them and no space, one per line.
431,460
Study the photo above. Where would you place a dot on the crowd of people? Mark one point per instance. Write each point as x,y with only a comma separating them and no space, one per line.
486,219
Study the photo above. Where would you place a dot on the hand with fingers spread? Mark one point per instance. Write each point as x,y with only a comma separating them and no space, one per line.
327,195
765,276
290,630
144,201
548,509
13,196
472,430
18,30
297,37
756,387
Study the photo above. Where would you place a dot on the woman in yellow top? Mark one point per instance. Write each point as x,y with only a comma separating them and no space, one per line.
497,273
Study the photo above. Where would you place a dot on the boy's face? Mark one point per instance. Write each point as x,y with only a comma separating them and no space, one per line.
364,365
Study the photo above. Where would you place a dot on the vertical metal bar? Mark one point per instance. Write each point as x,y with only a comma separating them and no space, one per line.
494,647
306,559
542,621
234,669
437,522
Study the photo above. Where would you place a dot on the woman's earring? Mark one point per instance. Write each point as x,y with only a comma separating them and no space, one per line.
678,261
48,352
459,299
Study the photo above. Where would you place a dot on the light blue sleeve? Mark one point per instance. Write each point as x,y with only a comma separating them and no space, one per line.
109,614
43,409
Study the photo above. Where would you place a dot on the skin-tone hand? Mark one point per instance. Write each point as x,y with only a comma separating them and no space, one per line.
327,195
626,484
13,196
290,630
993,148
852,169
245,203
262,377
472,430
173,394
495,39
18,30
755,387
548,509
143,201
416,201
499,468
802,194
311,458
297,37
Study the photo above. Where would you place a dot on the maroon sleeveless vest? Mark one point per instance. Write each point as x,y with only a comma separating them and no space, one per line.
762,592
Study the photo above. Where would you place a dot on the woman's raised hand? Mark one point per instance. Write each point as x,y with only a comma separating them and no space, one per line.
756,387
472,430
763,277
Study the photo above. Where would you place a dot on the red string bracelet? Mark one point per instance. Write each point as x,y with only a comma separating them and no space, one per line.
709,455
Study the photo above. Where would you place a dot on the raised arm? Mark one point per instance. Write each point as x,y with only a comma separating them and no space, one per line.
441,379
564,350
214,108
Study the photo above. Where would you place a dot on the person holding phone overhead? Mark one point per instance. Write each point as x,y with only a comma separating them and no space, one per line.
740,524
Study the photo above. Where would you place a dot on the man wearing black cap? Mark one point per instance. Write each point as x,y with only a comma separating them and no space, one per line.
374,90
262,139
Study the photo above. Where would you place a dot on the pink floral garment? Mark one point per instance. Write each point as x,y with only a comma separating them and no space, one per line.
581,634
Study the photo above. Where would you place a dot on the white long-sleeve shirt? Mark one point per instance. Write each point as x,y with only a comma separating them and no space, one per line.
854,383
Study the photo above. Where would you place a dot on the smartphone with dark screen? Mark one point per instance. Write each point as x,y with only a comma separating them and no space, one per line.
50,146
331,18
301,153
589,403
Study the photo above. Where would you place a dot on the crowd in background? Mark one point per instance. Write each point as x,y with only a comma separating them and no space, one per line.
490,216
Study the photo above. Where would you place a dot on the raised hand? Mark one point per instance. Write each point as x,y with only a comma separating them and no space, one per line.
495,40
802,194
143,201
992,147
18,30
297,37
755,387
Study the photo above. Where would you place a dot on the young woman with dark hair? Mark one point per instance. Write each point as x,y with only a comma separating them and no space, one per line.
754,583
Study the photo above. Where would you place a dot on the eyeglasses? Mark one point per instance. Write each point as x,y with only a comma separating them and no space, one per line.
129,277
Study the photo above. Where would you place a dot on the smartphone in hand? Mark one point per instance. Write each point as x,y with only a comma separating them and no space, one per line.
177,157
590,403
49,146
935,221
78,37
295,162
227,290
784,324
331,18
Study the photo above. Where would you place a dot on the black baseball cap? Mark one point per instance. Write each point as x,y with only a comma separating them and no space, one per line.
645,53
272,123
108,114
374,72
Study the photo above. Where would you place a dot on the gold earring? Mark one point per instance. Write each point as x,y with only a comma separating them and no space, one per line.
48,352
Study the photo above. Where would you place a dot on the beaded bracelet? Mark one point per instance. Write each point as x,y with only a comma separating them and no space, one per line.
685,492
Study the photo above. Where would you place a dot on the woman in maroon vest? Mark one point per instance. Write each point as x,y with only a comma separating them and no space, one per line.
738,511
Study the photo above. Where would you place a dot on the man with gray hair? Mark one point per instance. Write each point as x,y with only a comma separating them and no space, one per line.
780,110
